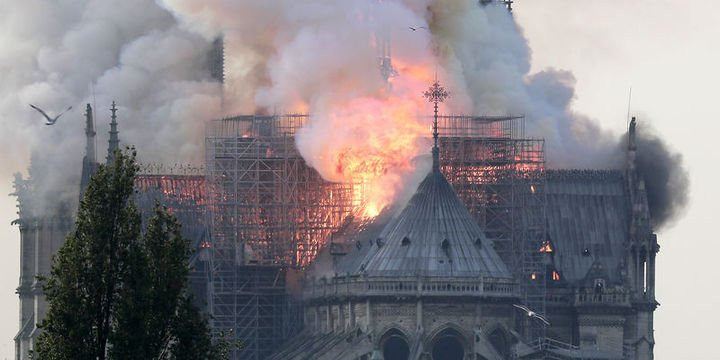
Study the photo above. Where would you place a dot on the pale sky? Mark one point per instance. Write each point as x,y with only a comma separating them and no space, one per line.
668,52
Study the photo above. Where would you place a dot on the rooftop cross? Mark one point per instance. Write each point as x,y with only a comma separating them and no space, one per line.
436,94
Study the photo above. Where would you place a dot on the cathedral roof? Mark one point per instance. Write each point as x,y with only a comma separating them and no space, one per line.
434,235
588,219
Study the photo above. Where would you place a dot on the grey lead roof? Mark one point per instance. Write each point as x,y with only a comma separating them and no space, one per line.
411,243
587,210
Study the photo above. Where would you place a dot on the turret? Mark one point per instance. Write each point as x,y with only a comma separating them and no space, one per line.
641,249
643,242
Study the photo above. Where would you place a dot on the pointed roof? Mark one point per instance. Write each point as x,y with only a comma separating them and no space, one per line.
434,235
113,141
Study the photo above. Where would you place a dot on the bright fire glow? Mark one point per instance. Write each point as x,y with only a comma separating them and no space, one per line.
372,140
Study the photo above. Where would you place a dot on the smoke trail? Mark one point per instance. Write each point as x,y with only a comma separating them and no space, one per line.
57,53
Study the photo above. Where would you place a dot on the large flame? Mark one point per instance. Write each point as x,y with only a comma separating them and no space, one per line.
372,140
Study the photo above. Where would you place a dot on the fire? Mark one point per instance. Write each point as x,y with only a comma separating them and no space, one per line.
370,141
373,140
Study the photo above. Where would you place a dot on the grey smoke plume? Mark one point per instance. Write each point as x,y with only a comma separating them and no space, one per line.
281,55
485,48
304,52
487,56
61,53
666,179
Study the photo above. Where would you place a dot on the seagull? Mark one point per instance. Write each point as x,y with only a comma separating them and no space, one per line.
532,314
50,121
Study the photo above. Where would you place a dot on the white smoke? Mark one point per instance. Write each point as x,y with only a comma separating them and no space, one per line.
61,53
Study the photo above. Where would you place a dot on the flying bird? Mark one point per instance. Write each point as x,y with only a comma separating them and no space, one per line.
50,120
532,314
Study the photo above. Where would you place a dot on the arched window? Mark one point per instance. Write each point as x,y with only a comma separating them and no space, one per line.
394,346
448,345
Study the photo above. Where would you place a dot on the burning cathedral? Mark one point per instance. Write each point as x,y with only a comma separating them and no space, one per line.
494,256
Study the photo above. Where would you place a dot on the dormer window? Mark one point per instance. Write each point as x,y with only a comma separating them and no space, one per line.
405,241
379,242
586,252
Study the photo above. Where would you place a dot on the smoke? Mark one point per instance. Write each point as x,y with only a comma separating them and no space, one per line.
319,56
665,176
61,53
488,59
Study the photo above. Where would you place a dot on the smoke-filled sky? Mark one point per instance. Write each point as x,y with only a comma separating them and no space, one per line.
568,69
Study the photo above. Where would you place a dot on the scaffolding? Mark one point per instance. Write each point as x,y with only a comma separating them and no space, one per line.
499,176
268,210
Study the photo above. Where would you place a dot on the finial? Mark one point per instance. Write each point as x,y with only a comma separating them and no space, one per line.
435,95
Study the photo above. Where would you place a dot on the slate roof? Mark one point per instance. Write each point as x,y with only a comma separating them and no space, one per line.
411,243
588,219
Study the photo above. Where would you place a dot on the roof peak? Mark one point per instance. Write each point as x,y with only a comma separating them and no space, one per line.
433,235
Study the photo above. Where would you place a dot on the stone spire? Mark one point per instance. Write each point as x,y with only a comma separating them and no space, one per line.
114,141
435,95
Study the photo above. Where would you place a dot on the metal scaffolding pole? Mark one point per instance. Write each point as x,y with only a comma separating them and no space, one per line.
268,210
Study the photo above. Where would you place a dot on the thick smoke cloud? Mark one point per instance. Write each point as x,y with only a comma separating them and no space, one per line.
61,53
666,179
485,48
317,56
488,57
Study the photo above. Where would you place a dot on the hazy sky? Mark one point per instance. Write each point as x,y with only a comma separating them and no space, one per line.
668,52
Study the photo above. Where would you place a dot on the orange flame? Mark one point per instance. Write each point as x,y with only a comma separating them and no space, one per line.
374,139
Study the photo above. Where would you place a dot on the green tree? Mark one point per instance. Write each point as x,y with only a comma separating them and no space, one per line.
114,293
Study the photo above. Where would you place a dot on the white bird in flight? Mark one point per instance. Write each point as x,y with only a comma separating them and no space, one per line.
532,314
50,121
